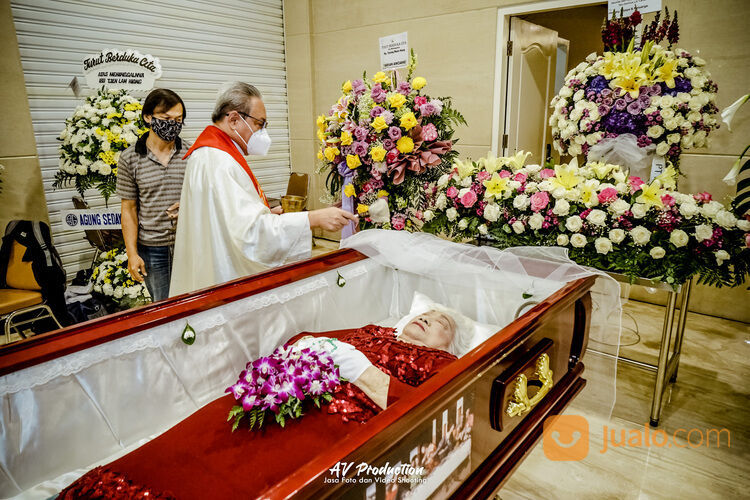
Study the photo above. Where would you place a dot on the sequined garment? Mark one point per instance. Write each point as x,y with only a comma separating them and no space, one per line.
105,484
405,362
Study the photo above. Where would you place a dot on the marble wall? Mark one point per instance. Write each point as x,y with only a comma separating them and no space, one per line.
330,41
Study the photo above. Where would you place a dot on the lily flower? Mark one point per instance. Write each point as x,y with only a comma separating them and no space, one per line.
517,161
495,186
566,176
728,113
651,195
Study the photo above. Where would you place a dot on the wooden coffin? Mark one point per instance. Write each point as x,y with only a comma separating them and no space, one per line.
509,385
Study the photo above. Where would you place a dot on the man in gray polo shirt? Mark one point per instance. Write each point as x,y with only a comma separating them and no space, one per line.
149,182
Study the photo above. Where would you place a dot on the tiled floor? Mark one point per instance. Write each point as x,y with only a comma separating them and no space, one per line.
712,392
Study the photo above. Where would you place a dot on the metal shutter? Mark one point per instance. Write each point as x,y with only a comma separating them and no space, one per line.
200,43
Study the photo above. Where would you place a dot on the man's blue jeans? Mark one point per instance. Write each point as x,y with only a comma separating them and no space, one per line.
158,262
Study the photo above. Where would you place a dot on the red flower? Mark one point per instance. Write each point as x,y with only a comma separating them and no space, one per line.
392,156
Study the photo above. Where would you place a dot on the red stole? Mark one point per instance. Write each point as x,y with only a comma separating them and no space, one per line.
214,137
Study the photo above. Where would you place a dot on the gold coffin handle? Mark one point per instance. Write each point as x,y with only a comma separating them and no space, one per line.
520,403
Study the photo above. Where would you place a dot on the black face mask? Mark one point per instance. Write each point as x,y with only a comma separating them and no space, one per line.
168,130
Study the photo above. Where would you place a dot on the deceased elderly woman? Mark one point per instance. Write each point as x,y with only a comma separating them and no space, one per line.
201,458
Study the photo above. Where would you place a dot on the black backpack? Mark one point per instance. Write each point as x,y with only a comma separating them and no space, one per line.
45,262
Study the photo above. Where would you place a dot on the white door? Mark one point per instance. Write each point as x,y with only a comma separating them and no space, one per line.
530,87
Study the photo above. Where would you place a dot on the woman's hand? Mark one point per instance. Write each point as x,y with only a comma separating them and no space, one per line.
278,210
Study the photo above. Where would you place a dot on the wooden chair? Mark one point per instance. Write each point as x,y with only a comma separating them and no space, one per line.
297,186
22,296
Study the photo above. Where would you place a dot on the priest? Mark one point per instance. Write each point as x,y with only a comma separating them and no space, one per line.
226,229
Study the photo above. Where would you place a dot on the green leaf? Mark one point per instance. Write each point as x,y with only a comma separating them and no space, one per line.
327,396
236,409
261,418
237,422
253,417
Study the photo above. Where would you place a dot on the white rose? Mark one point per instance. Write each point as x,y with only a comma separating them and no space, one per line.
466,181
463,224
673,138
105,169
655,131
107,289
518,227
743,225
672,123
703,232
640,235
682,97
441,201
578,240
726,219
81,170
562,239
105,146
533,168
679,238
559,192
98,288
575,150
535,221
639,210
578,95
118,292
694,116
721,256
711,208
667,113
451,213
662,148
619,206
619,176
562,207
521,202
491,212
573,224
428,215
687,141
657,252
597,217
666,101
482,229
603,245
444,179
616,235
531,187
689,209
116,129
566,92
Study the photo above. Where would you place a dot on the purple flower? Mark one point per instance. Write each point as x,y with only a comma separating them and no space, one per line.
404,88
603,109
394,133
387,116
607,92
621,122
316,388
359,148
598,83
237,390
644,101
428,109
249,401
360,133
270,402
359,87
620,104
344,170
388,144
264,365
376,111
377,93
634,108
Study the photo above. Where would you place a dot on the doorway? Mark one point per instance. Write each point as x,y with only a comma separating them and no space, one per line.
536,47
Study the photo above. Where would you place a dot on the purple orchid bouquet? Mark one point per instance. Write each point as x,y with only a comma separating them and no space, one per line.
280,384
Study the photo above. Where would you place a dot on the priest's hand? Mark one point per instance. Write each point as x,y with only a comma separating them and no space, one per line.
331,218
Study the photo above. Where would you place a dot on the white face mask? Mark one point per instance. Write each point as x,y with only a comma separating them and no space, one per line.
259,143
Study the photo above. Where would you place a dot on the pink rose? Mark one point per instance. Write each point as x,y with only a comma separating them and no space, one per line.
469,199
483,175
668,200
546,173
608,195
747,240
539,200
392,156
397,222
635,183
429,132
419,100
503,174
703,197
452,192
520,177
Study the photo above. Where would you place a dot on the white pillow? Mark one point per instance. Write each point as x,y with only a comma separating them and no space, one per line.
475,332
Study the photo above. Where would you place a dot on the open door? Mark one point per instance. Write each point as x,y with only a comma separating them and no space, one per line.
533,52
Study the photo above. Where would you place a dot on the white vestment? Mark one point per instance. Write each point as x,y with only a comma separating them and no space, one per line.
225,231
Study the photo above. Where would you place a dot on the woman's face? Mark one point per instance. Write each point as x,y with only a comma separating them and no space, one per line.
431,329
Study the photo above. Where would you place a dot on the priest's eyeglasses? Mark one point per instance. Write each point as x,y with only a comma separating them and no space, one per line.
263,123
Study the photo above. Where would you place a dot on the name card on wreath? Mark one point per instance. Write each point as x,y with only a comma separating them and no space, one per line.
91,219
394,51
121,69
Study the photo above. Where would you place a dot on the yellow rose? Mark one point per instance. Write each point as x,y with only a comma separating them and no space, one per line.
352,161
408,121
378,153
418,83
331,153
379,123
405,145
320,155
396,100
347,86
349,190
380,77
382,193
321,122
346,138
361,209
321,136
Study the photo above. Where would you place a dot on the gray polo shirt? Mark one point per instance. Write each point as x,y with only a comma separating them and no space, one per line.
155,187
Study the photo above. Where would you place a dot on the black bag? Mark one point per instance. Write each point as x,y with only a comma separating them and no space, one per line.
45,262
